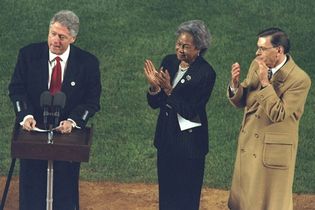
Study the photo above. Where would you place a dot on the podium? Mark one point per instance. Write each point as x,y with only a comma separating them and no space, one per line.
74,146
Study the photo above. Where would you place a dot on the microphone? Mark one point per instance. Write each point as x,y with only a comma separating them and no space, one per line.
59,102
45,103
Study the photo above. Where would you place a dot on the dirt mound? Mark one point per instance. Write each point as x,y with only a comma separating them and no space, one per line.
137,196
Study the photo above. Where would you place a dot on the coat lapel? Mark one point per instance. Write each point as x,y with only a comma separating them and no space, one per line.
42,67
188,74
174,70
70,70
277,82
281,75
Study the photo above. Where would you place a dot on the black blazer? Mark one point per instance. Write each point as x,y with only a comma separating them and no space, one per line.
81,83
189,99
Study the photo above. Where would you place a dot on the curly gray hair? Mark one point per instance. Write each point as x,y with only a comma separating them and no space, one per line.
200,33
68,19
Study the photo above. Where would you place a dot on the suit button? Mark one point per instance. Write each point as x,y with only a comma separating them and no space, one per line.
166,113
256,135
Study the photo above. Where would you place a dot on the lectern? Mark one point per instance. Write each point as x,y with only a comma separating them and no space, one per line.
34,145
74,146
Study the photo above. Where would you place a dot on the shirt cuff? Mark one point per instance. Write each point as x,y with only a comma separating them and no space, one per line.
25,118
74,124
233,90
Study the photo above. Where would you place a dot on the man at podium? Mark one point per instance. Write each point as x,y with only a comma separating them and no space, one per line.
54,65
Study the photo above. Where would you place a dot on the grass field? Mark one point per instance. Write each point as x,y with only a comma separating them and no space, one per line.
124,33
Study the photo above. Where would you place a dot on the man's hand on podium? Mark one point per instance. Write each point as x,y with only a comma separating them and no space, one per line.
65,126
29,124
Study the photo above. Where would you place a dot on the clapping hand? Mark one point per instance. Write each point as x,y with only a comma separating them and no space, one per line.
151,74
165,81
157,79
235,75
263,72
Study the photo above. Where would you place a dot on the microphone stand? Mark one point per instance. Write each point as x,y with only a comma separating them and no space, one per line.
58,103
50,174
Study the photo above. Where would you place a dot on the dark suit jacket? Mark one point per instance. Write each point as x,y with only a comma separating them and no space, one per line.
82,87
81,83
189,99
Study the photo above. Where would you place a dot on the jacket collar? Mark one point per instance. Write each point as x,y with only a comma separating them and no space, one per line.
187,76
285,70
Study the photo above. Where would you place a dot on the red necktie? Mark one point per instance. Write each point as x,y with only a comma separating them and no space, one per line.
55,82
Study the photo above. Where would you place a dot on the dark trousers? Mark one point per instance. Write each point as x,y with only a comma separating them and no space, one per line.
33,185
180,182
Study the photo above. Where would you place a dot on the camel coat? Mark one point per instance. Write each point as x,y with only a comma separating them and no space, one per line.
268,139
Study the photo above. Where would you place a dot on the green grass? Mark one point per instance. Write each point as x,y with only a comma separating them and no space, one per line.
124,33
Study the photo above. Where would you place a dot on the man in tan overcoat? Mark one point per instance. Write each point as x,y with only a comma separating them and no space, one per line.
273,97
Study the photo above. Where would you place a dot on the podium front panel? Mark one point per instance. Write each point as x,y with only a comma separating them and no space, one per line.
66,147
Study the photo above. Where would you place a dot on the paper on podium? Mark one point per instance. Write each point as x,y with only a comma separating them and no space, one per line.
43,130
185,124
46,130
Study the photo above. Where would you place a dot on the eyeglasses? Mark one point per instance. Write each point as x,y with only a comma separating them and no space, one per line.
263,49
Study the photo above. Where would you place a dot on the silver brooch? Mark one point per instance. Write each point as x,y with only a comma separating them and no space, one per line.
188,77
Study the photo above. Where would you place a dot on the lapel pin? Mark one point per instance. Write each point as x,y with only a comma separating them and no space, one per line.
188,77
72,83
182,81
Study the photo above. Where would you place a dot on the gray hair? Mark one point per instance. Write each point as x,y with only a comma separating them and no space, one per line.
200,33
68,19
